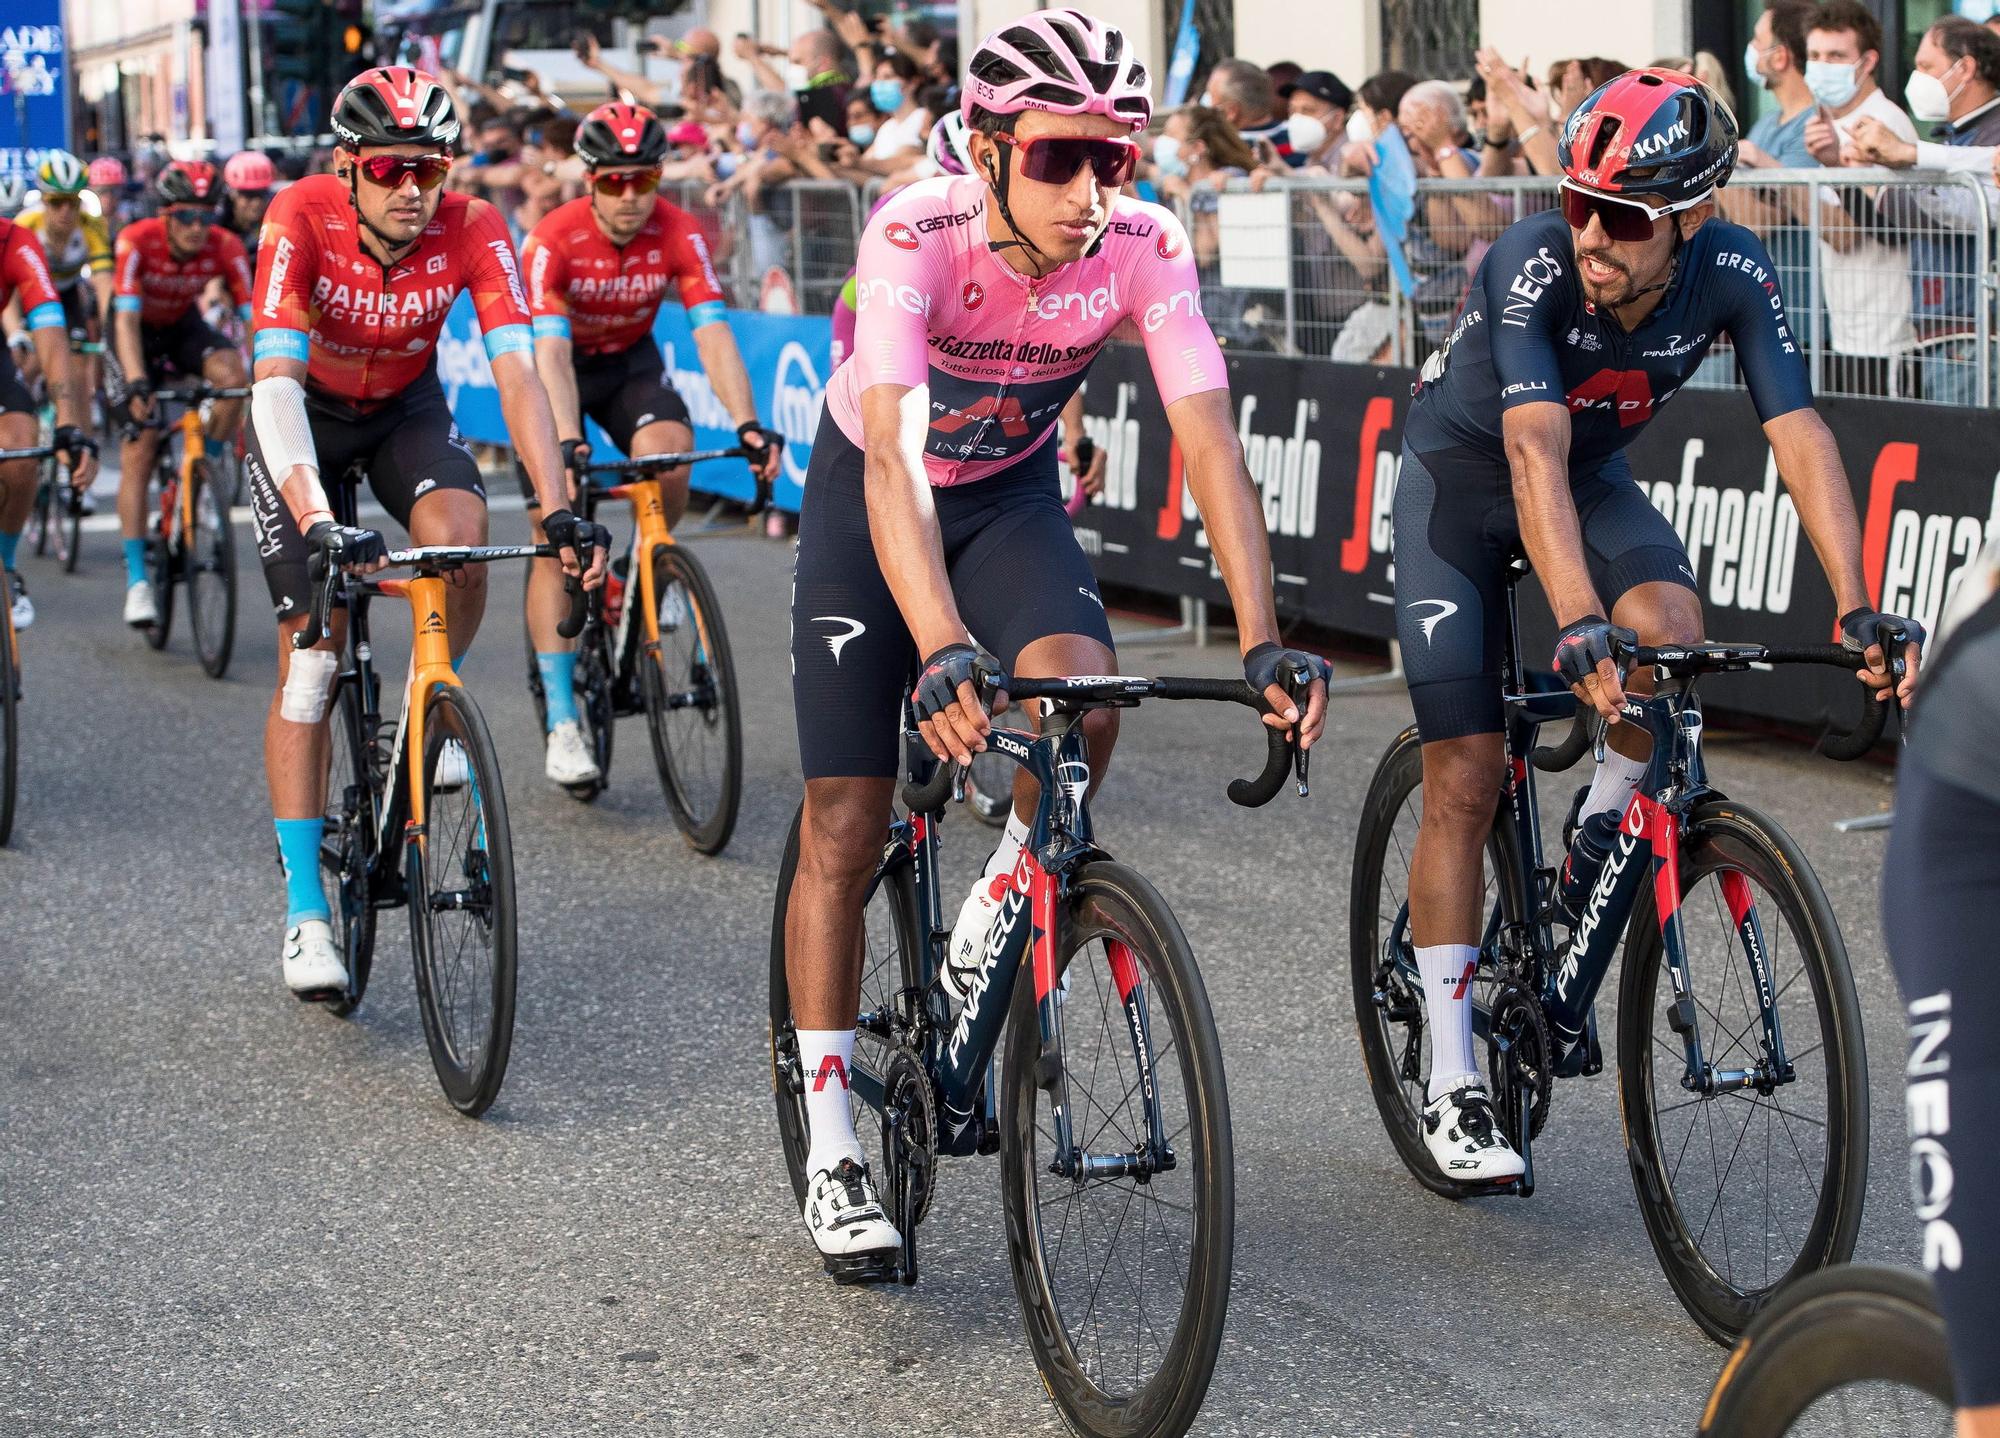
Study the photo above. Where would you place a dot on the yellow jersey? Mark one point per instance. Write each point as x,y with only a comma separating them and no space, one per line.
88,249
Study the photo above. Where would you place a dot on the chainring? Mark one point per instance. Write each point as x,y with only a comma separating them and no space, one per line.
908,1092
1520,1057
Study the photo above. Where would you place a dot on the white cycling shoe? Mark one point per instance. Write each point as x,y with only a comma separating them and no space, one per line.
453,768
140,610
314,968
848,1224
23,607
1465,1140
569,758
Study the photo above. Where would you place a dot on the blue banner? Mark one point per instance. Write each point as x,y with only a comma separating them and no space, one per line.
1187,50
787,357
34,83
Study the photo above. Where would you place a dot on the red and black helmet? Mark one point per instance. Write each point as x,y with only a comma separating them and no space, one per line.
395,105
186,182
1650,132
619,134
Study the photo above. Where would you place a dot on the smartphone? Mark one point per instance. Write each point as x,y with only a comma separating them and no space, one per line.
828,103
581,44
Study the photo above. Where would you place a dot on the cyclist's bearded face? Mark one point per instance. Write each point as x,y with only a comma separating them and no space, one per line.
1061,220
623,199
401,207
1613,271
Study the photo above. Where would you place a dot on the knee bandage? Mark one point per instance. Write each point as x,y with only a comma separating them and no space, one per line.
308,686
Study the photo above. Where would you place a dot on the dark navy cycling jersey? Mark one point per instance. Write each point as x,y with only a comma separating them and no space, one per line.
1526,334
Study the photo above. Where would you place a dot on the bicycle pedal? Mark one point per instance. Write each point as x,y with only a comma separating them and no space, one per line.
859,1268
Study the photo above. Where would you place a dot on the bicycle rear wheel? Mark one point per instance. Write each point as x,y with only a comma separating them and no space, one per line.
462,920
1124,1312
68,522
594,713
10,733
347,845
42,518
1855,1350
891,967
164,557
692,708
1388,993
1746,1189
210,559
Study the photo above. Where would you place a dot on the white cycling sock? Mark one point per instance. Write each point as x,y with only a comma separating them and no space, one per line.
1447,973
1613,785
825,1056
1007,853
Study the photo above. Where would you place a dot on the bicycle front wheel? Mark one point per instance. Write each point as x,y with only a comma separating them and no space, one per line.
210,549
1123,1279
10,734
1856,1350
42,519
692,708
461,887
163,566
347,843
1743,1189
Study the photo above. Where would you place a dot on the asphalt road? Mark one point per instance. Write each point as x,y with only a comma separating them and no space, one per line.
221,1212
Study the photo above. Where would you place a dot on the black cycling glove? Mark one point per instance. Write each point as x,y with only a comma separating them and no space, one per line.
1292,669
340,544
566,531
944,671
1862,627
571,449
1581,646
71,443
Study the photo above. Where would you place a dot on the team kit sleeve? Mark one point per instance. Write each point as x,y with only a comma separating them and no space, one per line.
1526,282
281,296
1166,306
127,297
548,278
26,269
97,245
694,271
236,271
493,275
1767,348
897,278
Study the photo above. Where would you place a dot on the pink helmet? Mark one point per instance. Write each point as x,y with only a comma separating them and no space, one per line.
106,171
1062,61
247,172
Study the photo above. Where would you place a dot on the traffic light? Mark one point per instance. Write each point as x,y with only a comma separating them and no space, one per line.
357,40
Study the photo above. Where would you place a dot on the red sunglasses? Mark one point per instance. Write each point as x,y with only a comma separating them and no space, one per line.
389,171
1629,221
626,182
1055,159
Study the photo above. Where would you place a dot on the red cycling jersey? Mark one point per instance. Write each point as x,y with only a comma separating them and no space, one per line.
24,267
161,287
603,297
366,331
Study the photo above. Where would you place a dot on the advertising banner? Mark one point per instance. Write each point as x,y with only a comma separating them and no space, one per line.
786,355
1322,442
34,83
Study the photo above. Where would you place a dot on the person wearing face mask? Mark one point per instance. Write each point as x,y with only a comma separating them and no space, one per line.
905,125
1320,103
1955,90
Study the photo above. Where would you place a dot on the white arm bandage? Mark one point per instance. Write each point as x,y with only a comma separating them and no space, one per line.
278,412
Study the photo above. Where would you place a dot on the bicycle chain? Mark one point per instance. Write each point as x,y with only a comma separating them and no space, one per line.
1529,1059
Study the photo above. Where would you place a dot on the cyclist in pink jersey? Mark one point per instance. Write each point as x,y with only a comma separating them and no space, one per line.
932,512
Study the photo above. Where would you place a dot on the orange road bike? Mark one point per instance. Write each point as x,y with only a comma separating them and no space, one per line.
188,538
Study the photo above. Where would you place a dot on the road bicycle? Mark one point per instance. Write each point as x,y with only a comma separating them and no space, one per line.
56,521
400,834
1859,1349
654,643
1110,1112
189,537
1742,1076
10,679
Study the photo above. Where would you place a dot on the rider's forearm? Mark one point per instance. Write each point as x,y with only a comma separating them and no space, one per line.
131,356
1231,511
524,408
902,516
1809,462
1538,455
52,349
284,435
644,91
722,362
555,363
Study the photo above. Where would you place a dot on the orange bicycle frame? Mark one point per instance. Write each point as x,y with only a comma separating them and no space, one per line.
650,514
430,666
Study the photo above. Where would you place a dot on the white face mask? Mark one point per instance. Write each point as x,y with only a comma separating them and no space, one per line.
1308,134
1832,85
1207,101
797,77
1360,129
1929,100
1751,55
1167,155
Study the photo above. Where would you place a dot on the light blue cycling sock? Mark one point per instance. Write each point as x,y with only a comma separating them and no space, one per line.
558,673
298,847
135,561
8,544
215,449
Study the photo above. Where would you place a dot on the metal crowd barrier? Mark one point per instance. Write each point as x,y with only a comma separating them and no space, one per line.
809,229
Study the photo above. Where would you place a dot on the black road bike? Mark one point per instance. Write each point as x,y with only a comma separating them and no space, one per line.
654,643
55,524
10,681
1109,1113
1742,1077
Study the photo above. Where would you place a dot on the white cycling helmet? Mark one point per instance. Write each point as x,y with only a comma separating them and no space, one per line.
947,148
13,191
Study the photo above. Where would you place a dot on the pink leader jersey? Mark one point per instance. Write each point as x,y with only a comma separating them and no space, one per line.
1002,354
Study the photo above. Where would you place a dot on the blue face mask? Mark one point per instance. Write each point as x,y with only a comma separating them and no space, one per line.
887,95
1832,85
1167,155
862,135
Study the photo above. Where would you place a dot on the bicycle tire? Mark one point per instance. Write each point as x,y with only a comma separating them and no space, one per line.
706,825
592,687
209,560
164,558
41,519
1844,1326
10,725
1389,1056
471,1077
893,906
68,525
1108,899
1719,835
347,845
